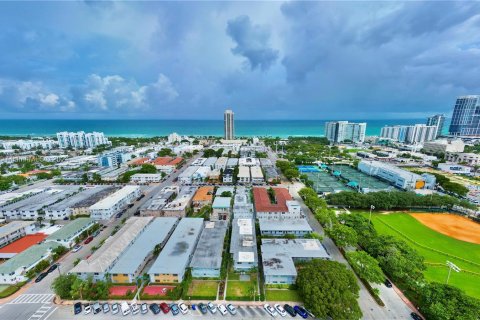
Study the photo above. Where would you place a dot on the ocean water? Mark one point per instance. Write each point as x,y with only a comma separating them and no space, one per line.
150,128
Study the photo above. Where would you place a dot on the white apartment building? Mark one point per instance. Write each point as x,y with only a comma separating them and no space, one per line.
415,134
248,162
186,177
221,163
80,139
256,175
339,131
229,127
28,144
15,230
243,174
144,178
443,146
113,204
471,159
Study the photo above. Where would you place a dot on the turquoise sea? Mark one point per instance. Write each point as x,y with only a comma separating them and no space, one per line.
150,128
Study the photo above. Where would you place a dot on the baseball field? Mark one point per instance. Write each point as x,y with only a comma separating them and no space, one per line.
438,238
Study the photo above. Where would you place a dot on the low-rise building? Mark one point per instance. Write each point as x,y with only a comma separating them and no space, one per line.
276,204
15,230
134,259
201,175
101,262
112,173
443,146
113,204
256,175
178,207
175,257
279,257
145,178
248,162
167,164
222,208
186,177
14,270
221,163
227,176
242,204
243,245
207,259
68,233
99,192
471,159
232,163
199,162
154,206
203,197
266,163
271,174
243,175
279,228
210,162
454,168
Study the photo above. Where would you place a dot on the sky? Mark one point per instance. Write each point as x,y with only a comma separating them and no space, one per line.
264,60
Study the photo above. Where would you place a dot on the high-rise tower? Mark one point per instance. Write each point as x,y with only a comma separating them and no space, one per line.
437,120
466,117
228,125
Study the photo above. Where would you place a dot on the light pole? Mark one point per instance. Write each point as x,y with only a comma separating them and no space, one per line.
451,266
372,207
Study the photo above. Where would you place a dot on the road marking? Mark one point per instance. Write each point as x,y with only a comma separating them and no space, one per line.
32,298
40,312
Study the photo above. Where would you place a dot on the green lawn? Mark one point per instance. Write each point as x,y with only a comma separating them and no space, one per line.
239,290
283,295
451,249
3,287
203,289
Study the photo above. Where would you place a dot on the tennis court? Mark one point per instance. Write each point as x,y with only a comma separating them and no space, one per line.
325,183
364,181
120,291
306,169
157,290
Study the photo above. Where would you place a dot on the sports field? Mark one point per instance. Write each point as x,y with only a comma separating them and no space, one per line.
436,248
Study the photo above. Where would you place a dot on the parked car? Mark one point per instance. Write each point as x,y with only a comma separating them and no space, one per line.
203,308
301,312
165,308
87,309
106,308
88,240
77,308
125,308
135,309
415,316
222,309
76,248
280,310
119,215
96,233
174,309
115,308
311,315
144,308
270,310
290,310
183,308
41,276
155,308
387,283
96,308
231,308
52,268
211,307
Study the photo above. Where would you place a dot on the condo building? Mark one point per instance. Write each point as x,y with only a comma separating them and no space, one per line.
415,134
466,117
228,125
80,139
340,131
437,120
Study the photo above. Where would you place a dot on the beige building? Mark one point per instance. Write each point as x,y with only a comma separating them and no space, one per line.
468,158
443,146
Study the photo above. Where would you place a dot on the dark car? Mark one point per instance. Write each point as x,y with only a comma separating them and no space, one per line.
165,308
311,315
52,268
387,283
155,308
290,310
96,233
300,311
415,316
41,276
77,308
88,240
203,308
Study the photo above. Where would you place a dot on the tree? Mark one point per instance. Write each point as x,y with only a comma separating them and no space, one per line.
209,153
96,177
219,153
329,289
226,194
365,266
62,285
147,168
166,152
343,235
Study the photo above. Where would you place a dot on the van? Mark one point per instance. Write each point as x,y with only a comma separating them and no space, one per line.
125,308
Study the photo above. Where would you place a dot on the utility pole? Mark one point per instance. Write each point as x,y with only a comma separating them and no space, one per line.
372,207
451,266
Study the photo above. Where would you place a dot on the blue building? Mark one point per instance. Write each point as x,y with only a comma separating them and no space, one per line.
466,116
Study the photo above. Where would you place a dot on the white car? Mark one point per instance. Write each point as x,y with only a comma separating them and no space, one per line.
106,308
76,248
211,307
115,308
222,309
280,310
270,310
183,308
135,309
87,309
144,308
231,308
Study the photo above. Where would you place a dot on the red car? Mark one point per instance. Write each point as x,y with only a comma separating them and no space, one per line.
88,240
165,308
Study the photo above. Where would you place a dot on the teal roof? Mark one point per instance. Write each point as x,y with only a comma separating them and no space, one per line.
337,173
28,257
221,202
70,229
352,184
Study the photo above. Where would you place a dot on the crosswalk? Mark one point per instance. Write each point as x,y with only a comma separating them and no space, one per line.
42,311
32,298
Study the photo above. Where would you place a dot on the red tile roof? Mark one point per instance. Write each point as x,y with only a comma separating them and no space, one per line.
263,203
139,161
24,243
164,161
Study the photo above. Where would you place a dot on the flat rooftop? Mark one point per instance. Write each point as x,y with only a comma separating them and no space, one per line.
263,203
107,202
14,226
84,196
290,225
46,198
221,202
208,253
243,244
155,233
70,229
176,254
204,194
103,259
28,257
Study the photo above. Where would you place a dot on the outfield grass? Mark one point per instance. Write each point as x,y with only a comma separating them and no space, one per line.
282,295
425,236
203,289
